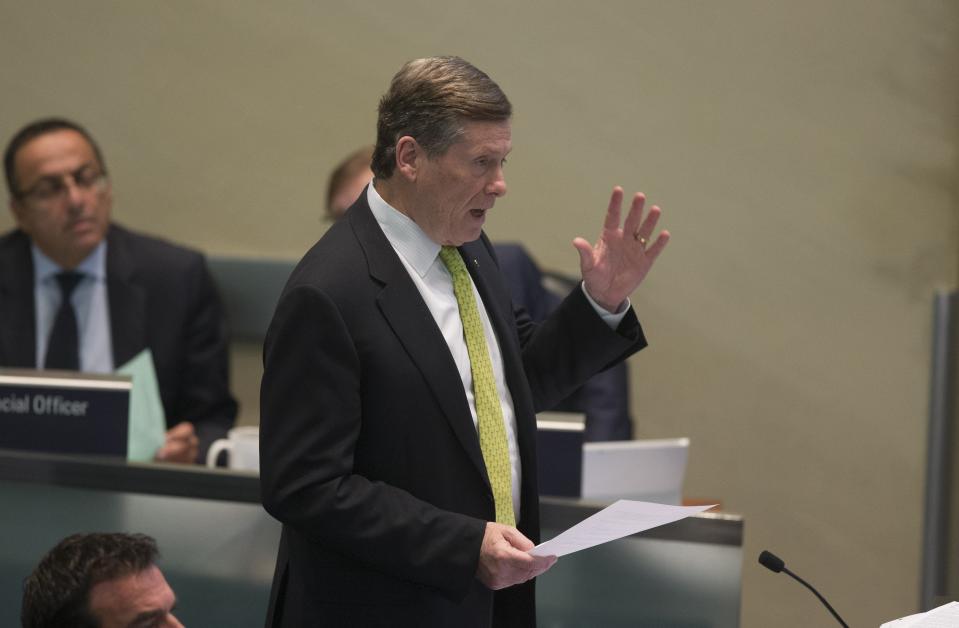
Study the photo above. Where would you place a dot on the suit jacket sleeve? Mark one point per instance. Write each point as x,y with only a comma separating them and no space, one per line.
571,345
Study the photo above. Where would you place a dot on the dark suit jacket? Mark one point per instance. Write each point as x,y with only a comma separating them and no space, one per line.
604,398
369,455
160,297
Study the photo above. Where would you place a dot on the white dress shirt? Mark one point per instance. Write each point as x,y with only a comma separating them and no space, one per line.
89,300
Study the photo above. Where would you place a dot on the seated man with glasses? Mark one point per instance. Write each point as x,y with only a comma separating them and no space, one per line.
78,292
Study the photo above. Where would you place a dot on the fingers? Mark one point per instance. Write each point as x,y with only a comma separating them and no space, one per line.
177,451
658,246
632,223
181,445
181,430
612,212
504,560
645,230
637,226
517,539
585,250
541,564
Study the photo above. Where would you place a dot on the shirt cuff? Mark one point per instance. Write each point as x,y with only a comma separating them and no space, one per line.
610,318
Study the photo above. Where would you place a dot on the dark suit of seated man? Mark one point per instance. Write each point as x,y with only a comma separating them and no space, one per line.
126,292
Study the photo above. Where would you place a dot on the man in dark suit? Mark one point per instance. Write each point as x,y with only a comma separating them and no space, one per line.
408,496
125,292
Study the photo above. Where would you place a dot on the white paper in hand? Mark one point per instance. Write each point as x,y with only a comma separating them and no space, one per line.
621,519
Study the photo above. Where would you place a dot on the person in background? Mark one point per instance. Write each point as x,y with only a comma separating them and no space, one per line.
399,392
347,181
79,292
99,580
604,398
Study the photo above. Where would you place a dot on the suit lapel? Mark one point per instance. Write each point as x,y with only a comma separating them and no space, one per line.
127,299
18,340
410,319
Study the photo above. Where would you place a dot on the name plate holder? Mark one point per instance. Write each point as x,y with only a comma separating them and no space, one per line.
64,412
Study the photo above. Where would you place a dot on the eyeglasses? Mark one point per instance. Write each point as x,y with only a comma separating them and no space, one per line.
56,187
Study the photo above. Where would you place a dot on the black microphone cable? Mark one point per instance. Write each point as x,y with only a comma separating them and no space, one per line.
775,564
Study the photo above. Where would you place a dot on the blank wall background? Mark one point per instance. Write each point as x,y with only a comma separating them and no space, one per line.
804,155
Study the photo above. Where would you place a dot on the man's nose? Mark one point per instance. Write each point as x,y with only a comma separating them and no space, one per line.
74,192
497,186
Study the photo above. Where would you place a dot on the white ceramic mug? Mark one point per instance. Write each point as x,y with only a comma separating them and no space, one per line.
242,447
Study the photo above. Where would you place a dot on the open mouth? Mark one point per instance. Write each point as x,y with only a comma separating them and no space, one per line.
478,213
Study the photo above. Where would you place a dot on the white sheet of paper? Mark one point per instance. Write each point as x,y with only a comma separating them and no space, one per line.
147,421
620,519
945,616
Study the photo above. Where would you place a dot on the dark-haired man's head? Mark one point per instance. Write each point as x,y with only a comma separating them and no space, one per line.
99,580
59,191
443,134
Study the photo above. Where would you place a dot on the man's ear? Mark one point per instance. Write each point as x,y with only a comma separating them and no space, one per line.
409,157
108,195
18,211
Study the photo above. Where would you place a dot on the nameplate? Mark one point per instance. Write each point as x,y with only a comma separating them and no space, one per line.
64,412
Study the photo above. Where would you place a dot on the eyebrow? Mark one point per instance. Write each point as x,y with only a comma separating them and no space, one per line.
147,618
58,175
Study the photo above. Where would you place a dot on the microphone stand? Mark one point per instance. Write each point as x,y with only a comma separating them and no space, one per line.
775,564
821,598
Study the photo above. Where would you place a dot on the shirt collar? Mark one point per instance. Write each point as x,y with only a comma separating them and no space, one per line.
95,264
409,241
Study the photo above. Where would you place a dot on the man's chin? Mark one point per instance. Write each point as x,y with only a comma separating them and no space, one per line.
467,237
83,244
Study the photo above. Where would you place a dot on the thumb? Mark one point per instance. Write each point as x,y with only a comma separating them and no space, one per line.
517,539
585,250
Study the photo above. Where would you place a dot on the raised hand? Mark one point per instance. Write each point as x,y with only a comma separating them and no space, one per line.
622,257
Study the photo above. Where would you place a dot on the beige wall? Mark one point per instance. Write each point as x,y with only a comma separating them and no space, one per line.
804,154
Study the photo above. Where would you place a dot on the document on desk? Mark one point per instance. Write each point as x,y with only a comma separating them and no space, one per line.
620,519
945,616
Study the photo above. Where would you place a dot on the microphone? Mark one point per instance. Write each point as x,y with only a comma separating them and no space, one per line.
775,564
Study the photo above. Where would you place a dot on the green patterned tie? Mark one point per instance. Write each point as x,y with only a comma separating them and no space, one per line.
489,414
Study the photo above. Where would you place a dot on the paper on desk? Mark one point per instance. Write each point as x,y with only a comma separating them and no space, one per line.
621,519
945,616
147,422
